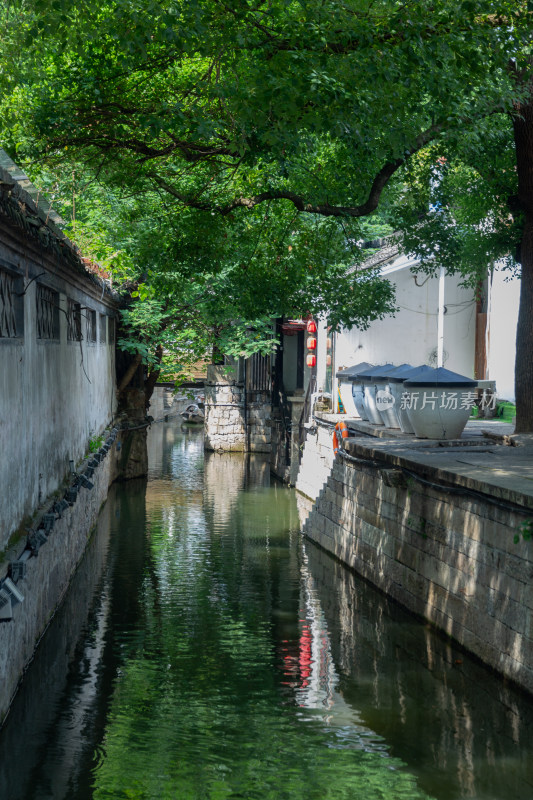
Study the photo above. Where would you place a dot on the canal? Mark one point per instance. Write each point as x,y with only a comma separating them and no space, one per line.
205,651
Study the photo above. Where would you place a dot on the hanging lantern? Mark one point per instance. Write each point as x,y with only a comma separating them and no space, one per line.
311,326
311,360
328,361
328,343
311,342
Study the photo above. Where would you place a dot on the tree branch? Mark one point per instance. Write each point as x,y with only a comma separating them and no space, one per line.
302,205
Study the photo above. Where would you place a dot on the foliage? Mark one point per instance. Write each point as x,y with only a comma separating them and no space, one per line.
248,122
525,531
190,281
95,443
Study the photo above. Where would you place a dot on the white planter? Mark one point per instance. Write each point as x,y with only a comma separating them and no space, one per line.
358,395
347,378
369,403
404,424
438,403
437,422
387,404
374,380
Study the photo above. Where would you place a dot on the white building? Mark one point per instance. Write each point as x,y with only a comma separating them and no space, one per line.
438,322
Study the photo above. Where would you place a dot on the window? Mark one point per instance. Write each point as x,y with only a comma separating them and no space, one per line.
91,325
111,330
103,329
11,306
73,321
47,313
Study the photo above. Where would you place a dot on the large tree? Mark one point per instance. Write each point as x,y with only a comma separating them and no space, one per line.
320,106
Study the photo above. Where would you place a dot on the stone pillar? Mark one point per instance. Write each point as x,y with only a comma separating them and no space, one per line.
225,429
235,421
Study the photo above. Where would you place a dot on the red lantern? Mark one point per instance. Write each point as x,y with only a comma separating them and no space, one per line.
311,360
311,342
311,326
328,361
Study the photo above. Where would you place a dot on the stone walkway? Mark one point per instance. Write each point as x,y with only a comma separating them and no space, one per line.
487,459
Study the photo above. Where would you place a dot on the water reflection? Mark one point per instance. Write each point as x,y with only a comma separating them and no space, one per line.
205,651
462,730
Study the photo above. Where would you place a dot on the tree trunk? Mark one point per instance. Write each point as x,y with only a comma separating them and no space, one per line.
130,372
151,380
523,136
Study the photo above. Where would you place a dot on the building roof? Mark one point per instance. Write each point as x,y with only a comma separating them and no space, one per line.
30,210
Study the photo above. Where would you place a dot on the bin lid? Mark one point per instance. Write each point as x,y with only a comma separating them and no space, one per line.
376,372
404,373
352,372
439,377
395,374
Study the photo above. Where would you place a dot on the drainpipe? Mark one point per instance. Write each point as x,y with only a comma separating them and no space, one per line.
440,320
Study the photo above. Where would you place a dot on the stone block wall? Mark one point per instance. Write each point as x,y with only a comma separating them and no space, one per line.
450,558
233,422
316,463
259,416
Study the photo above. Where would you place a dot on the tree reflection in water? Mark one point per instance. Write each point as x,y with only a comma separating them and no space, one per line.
233,660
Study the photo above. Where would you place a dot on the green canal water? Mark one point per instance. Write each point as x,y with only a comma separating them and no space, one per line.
206,651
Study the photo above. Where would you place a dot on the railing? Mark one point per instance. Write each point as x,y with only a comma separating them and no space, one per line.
259,373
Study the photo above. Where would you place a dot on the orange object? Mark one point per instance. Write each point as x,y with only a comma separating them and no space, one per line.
311,342
311,326
340,432
311,360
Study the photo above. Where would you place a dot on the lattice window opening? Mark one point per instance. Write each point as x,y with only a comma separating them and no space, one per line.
74,333
111,330
103,328
10,302
90,317
47,313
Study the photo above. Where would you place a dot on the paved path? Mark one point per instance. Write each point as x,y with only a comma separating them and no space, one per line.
487,458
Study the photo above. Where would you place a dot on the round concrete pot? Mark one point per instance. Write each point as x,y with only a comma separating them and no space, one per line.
347,379
396,382
386,401
440,403
373,381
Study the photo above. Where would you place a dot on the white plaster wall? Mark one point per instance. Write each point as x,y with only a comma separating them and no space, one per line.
54,395
411,335
503,317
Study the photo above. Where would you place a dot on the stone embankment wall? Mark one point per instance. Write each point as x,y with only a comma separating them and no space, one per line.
166,402
316,463
47,570
235,420
449,557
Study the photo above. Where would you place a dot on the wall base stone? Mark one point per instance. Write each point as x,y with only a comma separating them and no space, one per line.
48,575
